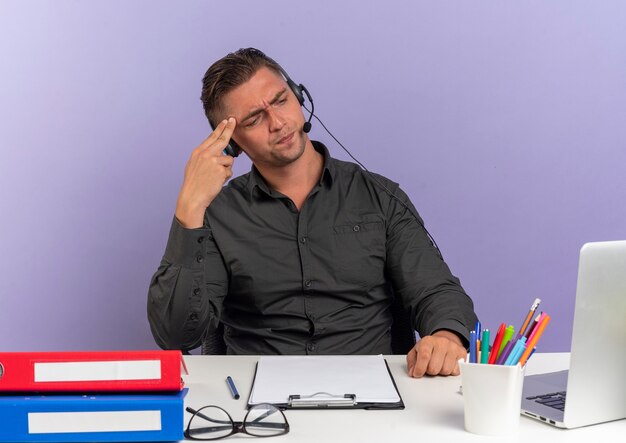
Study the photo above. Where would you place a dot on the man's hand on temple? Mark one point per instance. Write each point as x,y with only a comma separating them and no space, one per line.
205,174
436,354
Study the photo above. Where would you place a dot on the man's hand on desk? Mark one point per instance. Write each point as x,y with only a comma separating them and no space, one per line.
436,354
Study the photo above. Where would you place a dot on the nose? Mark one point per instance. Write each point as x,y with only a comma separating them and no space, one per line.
275,120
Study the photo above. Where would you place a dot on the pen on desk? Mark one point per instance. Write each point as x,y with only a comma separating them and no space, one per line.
231,386
496,344
533,308
533,340
484,347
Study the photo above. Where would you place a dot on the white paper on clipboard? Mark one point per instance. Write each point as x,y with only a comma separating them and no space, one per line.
365,376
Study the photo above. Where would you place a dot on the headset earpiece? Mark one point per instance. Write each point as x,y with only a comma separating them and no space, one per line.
232,148
297,89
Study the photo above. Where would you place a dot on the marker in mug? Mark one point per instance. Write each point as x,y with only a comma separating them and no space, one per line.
472,350
231,386
484,347
508,335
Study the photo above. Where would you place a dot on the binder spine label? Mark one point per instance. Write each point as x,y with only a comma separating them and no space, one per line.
101,421
98,371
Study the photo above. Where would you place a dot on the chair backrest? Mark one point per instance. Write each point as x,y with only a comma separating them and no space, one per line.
213,342
402,334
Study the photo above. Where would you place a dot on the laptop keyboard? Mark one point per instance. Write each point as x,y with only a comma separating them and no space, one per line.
555,400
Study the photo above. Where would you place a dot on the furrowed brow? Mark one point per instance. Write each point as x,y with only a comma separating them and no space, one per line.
254,112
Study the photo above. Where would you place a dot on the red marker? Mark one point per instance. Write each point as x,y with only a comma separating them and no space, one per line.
496,344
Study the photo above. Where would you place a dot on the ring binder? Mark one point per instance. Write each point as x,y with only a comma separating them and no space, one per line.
322,400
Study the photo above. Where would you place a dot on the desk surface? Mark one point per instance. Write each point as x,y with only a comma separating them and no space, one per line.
433,413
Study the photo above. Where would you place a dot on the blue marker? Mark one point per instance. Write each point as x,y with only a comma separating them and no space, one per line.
515,353
231,386
472,340
518,354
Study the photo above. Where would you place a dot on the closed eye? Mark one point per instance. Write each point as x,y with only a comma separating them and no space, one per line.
253,121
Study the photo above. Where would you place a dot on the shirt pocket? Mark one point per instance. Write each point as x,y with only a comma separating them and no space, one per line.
359,251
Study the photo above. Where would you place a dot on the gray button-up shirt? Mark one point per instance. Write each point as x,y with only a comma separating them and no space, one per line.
307,282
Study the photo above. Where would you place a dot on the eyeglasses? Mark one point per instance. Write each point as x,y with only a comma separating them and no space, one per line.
213,423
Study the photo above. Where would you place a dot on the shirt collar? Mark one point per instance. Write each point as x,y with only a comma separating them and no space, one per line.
257,181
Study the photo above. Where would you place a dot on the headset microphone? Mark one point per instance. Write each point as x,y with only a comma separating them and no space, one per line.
307,126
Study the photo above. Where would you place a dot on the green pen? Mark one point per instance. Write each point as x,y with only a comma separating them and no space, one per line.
484,347
508,334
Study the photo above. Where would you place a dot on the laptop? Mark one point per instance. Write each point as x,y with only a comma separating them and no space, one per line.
594,389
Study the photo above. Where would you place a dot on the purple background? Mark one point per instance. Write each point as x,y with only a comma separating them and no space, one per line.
504,122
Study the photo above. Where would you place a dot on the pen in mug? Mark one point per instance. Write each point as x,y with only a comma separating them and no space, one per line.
515,352
533,340
533,326
496,344
506,351
518,354
484,347
509,332
539,321
231,386
531,354
533,308
472,349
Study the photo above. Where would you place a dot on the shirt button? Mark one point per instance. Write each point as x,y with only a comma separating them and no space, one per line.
199,259
356,228
311,346
193,316
308,283
196,291
303,240
200,239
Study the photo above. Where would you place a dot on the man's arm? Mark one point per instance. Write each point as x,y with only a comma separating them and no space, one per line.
187,291
442,312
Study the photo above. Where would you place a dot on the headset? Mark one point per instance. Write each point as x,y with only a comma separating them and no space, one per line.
300,91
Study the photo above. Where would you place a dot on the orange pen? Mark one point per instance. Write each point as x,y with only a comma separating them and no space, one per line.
533,308
533,340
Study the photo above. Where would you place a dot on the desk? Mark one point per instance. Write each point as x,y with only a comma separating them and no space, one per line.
434,408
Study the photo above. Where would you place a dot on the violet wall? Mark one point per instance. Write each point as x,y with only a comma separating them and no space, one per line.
504,122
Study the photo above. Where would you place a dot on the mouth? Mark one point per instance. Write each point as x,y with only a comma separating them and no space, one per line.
285,140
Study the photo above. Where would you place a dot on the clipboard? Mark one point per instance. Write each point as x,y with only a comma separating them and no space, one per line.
310,398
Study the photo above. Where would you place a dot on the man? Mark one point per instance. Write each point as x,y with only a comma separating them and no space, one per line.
305,253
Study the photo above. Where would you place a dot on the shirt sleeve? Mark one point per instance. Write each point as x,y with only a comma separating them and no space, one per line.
420,277
186,292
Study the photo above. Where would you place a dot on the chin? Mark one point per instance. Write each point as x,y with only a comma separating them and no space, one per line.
293,151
